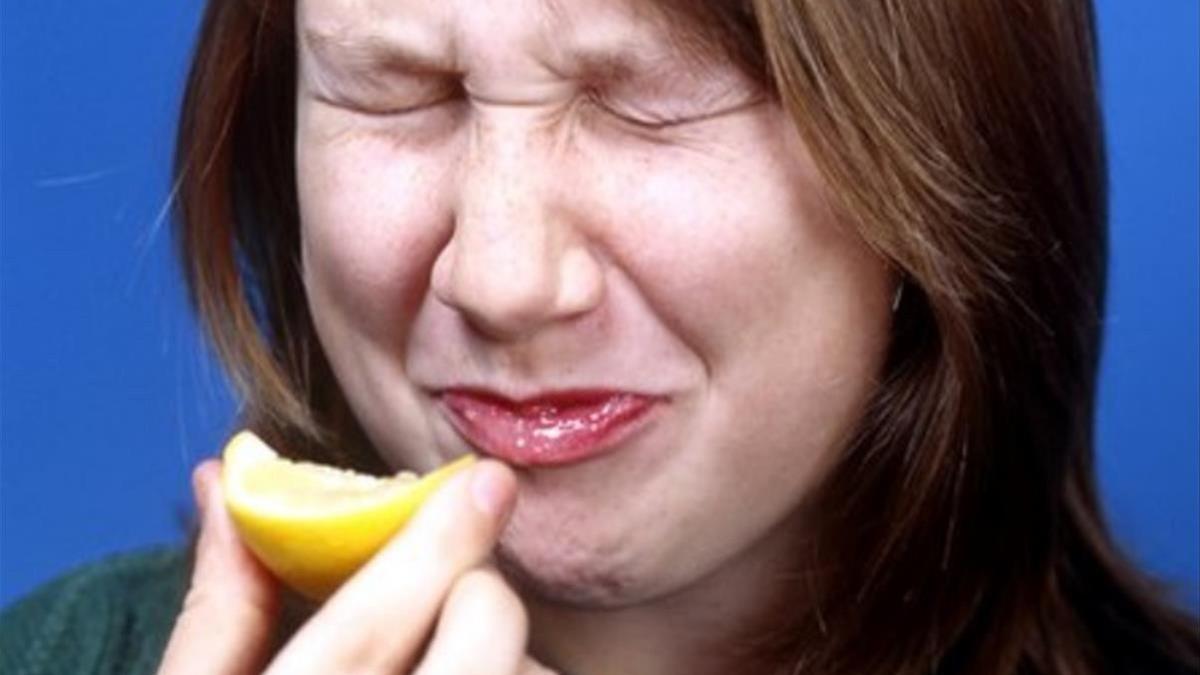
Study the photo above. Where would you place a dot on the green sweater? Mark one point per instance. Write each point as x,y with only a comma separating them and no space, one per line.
113,616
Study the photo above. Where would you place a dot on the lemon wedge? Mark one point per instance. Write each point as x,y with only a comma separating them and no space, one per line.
314,525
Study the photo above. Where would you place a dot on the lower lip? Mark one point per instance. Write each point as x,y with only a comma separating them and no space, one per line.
550,433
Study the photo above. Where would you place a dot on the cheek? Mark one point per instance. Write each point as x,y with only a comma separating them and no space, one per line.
736,246
787,308
371,225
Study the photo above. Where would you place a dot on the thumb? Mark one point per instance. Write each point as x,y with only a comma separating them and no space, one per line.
229,613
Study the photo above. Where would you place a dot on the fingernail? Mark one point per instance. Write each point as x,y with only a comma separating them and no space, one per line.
492,488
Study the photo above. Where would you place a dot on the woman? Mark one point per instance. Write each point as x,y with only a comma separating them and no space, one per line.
780,323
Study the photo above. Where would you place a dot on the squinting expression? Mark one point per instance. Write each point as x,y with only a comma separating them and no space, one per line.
519,214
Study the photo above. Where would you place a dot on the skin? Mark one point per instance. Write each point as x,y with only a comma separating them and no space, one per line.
506,216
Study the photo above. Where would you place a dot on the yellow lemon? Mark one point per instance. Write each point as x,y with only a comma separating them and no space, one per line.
315,525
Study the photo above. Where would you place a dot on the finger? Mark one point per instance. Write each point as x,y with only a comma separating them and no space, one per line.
229,612
379,619
482,629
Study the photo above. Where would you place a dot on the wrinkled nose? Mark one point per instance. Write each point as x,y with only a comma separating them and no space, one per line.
516,262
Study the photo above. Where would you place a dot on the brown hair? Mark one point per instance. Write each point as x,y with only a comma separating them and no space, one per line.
963,141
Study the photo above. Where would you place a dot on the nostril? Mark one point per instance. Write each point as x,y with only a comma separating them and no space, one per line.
509,299
503,298
504,315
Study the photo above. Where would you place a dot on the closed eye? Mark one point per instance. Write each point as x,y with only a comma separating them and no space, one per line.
384,109
654,122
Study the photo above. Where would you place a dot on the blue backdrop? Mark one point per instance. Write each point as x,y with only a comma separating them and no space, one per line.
107,397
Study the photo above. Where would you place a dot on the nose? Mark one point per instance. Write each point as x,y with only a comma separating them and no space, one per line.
516,261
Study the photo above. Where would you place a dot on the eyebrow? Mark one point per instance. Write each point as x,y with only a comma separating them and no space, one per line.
371,51
374,51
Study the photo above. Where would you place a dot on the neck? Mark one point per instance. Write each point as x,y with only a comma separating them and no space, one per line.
707,627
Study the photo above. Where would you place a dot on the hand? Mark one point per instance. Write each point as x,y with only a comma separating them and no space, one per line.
427,603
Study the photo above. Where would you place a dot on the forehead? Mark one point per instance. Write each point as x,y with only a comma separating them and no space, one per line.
489,33
461,15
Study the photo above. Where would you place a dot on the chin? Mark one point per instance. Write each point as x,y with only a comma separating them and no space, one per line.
573,583
571,566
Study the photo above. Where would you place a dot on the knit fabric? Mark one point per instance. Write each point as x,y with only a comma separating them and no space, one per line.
113,616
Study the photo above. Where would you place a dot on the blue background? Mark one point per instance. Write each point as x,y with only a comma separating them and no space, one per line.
108,398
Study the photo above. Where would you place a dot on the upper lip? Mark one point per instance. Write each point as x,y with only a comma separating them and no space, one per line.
557,397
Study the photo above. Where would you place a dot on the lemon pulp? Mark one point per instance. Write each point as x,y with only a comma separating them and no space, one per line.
313,525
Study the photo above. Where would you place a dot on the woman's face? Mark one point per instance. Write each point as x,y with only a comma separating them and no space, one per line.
547,203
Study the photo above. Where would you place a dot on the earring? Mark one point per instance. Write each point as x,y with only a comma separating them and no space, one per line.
896,298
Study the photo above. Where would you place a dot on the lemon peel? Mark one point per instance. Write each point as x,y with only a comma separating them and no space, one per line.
314,525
